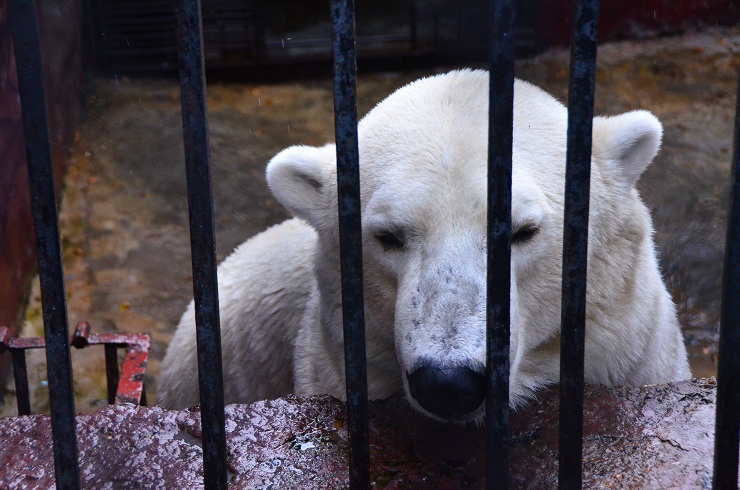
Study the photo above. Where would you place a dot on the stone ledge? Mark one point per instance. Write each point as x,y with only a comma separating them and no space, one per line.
657,436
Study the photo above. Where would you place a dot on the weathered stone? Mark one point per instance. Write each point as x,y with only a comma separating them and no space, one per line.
652,437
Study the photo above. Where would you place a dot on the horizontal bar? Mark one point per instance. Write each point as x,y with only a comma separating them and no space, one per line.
350,237
202,240
23,17
575,239
83,338
500,134
727,427
9,342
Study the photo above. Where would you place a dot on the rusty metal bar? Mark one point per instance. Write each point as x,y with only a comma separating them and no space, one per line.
498,321
23,20
17,348
128,386
20,376
131,385
575,239
20,372
202,240
131,388
727,426
111,372
350,237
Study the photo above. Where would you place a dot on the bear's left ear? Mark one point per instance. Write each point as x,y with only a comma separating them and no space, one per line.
630,141
299,176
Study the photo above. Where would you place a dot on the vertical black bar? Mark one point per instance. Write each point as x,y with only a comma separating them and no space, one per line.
202,242
727,427
500,134
20,375
48,247
111,371
575,238
143,401
350,237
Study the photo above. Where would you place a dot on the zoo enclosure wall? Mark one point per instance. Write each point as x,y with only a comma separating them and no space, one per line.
71,32
201,153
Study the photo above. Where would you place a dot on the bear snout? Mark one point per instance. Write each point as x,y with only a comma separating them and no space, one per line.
447,392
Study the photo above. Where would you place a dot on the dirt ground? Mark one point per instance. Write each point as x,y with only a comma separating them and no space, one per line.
124,209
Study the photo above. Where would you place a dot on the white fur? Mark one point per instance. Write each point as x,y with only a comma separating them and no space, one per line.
255,283
423,158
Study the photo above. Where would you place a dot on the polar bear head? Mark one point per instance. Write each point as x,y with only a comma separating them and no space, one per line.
423,160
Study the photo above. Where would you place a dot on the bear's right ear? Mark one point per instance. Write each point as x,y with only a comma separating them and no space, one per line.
298,177
630,141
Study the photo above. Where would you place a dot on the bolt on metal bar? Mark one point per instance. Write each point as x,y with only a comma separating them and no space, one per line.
575,239
498,321
727,425
202,241
23,20
350,237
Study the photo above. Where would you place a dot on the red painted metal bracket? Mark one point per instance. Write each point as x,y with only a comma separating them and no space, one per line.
124,387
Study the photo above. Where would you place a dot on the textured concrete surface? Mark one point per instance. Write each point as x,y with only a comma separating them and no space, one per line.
124,212
649,438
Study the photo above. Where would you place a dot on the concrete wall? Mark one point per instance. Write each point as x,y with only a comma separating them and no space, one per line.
61,28
636,19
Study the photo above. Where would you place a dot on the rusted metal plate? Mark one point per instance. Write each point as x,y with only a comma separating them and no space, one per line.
131,384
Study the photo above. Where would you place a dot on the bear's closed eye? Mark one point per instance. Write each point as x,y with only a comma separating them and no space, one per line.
524,233
389,240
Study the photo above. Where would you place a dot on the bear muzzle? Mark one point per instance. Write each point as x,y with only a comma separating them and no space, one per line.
450,393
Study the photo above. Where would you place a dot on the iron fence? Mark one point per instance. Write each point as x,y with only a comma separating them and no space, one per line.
192,77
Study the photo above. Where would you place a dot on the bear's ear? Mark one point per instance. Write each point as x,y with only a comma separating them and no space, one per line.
298,177
630,141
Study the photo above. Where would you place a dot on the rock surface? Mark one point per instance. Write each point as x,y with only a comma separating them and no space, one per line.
652,437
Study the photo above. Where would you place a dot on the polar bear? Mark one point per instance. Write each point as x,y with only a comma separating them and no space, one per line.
423,154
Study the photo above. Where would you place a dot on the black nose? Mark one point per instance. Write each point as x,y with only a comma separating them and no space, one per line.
449,392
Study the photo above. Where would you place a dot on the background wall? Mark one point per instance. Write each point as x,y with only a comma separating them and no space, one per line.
61,27
637,19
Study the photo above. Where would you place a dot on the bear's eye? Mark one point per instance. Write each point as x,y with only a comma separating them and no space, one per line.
524,233
389,240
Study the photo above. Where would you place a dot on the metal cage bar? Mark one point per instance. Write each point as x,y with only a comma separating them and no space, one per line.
498,321
575,239
20,376
17,348
350,237
112,375
202,241
727,425
23,20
